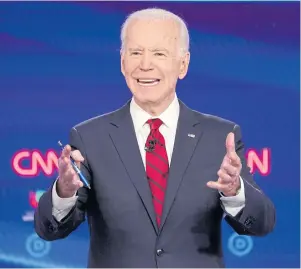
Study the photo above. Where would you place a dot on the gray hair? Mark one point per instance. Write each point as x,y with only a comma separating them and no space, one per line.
161,14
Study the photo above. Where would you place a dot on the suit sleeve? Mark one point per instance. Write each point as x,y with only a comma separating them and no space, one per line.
45,224
258,215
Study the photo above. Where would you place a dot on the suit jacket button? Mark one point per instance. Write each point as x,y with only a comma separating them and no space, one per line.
51,228
159,252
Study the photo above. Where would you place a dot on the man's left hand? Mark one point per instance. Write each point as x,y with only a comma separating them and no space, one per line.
228,182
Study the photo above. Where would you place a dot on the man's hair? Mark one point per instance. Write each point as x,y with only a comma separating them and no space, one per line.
157,14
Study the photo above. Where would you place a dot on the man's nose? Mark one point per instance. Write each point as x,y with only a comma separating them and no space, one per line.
146,63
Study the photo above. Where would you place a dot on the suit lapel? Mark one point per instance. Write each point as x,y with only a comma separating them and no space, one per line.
187,137
124,139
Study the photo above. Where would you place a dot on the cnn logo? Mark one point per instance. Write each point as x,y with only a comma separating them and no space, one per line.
257,161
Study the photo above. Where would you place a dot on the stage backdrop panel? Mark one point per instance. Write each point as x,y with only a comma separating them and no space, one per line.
59,65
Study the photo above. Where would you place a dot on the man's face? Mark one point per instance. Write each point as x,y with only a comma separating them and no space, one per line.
152,61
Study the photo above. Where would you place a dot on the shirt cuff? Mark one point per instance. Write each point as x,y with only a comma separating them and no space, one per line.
234,204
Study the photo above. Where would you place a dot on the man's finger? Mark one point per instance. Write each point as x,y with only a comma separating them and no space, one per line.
78,164
80,184
68,174
63,163
231,165
66,151
216,185
224,177
77,156
229,169
230,143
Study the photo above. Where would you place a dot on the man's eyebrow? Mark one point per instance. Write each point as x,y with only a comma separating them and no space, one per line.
152,50
159,49
135,49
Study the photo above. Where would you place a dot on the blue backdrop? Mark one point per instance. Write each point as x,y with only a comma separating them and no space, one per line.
59,65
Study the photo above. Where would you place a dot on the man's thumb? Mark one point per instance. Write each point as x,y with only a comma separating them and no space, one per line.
230,143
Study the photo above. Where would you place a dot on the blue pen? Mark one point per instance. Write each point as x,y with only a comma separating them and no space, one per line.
77,170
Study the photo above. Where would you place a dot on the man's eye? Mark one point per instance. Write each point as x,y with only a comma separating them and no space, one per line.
159,54
135,53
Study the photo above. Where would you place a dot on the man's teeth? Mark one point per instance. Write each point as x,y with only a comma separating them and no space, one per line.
148,82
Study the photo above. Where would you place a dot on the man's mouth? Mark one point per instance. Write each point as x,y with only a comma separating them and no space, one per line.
147,81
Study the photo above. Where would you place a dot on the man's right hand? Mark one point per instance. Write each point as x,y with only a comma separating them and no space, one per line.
68,182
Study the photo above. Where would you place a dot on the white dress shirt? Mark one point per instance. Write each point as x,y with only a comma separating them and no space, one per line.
232,205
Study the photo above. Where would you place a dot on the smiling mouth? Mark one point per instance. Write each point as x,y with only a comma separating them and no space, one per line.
148,82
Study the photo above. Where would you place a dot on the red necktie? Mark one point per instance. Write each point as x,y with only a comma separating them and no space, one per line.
156,166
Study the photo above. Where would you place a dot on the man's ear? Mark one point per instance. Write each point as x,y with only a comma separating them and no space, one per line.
122,63
184,65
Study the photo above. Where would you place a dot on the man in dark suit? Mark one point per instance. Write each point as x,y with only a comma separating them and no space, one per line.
162,176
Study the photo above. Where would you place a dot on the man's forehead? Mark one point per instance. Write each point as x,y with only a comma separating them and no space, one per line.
160,42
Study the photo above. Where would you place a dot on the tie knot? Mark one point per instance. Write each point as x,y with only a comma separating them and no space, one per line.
154,123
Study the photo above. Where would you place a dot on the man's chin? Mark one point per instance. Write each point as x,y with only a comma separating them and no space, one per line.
151,98
148,99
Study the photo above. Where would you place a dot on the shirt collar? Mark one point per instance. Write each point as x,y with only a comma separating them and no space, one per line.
169,117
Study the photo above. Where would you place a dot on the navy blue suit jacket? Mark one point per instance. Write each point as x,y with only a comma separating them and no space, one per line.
119,209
